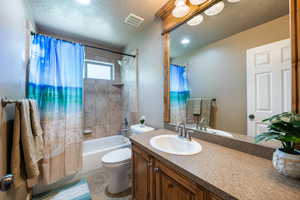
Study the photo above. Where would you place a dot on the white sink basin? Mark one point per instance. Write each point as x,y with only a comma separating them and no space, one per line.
175,145
218,132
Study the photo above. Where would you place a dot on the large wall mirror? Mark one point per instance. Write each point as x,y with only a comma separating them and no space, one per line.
230,68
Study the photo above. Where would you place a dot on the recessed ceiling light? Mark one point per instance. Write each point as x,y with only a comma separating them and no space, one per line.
195,20
197,2
233,1
215,9
85,2
185,41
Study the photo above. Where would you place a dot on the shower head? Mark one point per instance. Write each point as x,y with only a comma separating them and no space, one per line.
120,62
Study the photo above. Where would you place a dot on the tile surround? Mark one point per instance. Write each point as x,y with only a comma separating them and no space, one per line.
106,106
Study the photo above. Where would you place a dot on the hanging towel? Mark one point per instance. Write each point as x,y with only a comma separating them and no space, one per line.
197,106
27,148
35,119
206,104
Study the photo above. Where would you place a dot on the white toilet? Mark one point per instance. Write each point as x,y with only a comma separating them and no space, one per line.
118,165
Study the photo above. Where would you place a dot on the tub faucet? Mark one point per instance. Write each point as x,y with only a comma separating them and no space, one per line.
125,130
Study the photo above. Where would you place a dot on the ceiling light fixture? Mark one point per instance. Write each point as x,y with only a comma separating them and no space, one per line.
197,2
233,1
198,19
85,2
215,9
185,41
181,9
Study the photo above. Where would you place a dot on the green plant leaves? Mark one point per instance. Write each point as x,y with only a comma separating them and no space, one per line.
284,127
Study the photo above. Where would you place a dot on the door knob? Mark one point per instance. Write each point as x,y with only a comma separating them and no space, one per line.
251,116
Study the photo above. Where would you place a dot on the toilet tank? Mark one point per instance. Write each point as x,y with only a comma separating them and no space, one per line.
138,129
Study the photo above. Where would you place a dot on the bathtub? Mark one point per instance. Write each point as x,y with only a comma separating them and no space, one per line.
94,150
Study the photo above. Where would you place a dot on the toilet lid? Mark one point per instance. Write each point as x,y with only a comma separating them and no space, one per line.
117,156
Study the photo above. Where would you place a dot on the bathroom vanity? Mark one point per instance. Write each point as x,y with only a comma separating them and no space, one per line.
215,173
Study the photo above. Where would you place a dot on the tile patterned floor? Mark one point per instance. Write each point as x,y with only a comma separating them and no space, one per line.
97,181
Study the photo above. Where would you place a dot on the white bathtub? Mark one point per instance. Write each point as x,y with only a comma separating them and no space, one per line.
94,150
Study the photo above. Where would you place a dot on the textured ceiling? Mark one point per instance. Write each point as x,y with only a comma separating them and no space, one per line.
235,18
102,21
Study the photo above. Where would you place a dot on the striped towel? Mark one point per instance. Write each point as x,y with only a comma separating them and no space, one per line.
74,191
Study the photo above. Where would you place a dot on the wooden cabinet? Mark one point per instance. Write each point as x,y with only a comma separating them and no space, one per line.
154,180
169,185
142,175
211,196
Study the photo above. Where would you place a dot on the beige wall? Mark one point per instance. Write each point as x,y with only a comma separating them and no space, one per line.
13,39
219,70
150,76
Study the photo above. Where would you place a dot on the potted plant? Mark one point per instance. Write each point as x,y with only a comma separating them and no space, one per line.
284,127
142,121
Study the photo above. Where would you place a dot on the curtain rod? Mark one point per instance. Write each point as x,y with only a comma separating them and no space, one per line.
99,48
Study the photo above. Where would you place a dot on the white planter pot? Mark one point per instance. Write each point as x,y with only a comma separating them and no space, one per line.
287,164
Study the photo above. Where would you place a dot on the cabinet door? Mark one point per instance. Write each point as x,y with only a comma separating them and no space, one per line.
169,185
211,196
142,175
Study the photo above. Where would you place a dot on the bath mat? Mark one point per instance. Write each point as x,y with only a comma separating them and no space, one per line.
74,191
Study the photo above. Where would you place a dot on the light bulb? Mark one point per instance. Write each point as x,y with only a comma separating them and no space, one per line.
195,20
233,1
215,9
197,2
181,9
85,2
185,41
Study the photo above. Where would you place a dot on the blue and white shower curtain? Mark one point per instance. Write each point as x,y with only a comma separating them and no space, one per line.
179,93
55,81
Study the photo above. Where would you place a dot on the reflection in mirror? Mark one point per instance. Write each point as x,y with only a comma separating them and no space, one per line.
232,70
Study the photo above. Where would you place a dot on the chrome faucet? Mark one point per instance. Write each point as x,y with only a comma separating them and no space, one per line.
202,124
189,135
183,133
181,129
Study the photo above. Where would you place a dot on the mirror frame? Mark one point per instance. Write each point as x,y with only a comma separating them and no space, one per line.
170,23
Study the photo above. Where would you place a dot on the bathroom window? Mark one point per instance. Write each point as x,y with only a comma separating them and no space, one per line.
99,70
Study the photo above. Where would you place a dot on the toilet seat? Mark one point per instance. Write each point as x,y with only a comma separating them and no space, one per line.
117,157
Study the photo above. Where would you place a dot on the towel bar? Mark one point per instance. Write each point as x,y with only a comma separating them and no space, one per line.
5,101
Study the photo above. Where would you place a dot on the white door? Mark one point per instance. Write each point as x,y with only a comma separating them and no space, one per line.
268,83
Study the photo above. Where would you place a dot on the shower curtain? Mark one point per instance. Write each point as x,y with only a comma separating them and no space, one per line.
55,81
179,93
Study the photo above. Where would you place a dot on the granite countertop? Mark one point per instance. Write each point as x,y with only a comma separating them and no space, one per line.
228,173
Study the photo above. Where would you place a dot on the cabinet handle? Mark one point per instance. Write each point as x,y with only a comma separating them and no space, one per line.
156,169
149,164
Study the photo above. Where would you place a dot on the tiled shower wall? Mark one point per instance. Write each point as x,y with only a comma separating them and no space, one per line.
102,108
102,100
106,105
